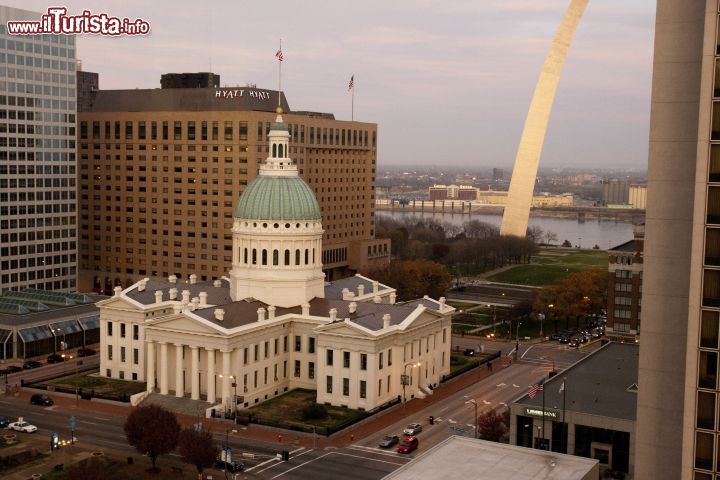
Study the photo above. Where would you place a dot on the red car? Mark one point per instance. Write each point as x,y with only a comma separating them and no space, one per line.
408,445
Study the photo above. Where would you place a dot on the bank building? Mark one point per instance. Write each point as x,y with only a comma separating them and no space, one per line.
274,324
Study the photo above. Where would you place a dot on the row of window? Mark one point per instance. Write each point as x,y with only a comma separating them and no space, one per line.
253,257
135,330
346,386
136,355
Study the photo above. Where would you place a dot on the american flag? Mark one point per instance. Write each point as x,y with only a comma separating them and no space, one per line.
279,55
352,83
534,390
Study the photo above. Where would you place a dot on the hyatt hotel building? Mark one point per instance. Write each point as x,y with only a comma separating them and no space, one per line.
160,172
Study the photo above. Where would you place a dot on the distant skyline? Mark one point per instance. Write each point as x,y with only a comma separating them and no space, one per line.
448,83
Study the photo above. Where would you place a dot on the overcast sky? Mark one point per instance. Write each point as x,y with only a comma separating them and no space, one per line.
447,82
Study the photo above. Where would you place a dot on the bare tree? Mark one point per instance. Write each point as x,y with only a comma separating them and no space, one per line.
551,237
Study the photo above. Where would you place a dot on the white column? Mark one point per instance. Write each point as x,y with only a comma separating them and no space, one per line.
163,369
179,387
211,375
226,377
150,359
195,388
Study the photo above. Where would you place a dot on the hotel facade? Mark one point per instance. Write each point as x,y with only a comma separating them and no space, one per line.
161,169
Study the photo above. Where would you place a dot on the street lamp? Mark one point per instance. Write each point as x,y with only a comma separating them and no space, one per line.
226,447
542,317
517,338
234,385
476,415
59,330
405,379
494,316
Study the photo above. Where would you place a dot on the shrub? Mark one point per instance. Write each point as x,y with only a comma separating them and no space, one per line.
314,411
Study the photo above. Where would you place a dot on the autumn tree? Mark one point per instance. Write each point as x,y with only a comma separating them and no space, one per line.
414,278
491,426
153,431
197,448
579,294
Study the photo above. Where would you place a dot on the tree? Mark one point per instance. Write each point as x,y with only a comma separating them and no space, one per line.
414,278
579,294
491,426
153,431
567,243
197,448
550,238
535,234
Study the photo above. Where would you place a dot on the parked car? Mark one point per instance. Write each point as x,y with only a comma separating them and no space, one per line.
408,445
4,422
42,400
85,352
412,429
555,336
31,364
22,426
10,369
229,466
389,441
469,352
55,358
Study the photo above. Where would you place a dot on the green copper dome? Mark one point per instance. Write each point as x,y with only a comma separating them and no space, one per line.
278,198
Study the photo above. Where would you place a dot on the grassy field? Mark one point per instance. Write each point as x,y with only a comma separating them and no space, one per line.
288,408
551,264
101,385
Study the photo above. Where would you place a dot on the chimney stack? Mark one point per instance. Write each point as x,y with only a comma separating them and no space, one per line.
376,286
217,283
219,314
173,293
386,321
333,314
352,308
172,279
271,312
158,296
393,298
261,314
185,297
361,290
377,299
442,303
194,303
142,284
203,299
117,291
193,279
305,309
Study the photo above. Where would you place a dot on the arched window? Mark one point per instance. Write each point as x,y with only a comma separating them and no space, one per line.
287,257
254,256
280,151
276,257
264,257
274,154
297,257
313,256
245,256
307,256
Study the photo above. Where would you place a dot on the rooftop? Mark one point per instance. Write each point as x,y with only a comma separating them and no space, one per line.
462,458
603,384
28,306
628,246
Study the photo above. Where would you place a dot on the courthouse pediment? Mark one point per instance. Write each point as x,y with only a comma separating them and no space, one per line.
183,323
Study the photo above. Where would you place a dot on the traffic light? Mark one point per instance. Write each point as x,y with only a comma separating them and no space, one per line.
54,442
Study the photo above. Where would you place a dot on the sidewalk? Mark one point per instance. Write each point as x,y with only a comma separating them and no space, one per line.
271,435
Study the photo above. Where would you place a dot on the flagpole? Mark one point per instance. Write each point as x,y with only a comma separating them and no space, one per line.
564,440
352,104
280,74
542,442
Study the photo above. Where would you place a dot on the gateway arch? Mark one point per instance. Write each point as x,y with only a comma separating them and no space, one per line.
517,209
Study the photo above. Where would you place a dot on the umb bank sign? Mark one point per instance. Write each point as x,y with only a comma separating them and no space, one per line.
243,93
536,412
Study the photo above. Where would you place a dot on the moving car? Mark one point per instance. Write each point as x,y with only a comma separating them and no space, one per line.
55,358
389,441
43,400
232,466
22,426
412,429
408,445
31,364
469,352
4,422
85,352
10,369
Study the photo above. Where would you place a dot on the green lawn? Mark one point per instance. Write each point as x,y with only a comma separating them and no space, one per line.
287,409
551,264
101,385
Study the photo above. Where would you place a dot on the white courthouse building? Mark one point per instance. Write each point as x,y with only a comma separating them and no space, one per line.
274,324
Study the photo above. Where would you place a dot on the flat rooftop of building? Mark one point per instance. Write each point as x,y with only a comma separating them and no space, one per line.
30,306
602,384
462,458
